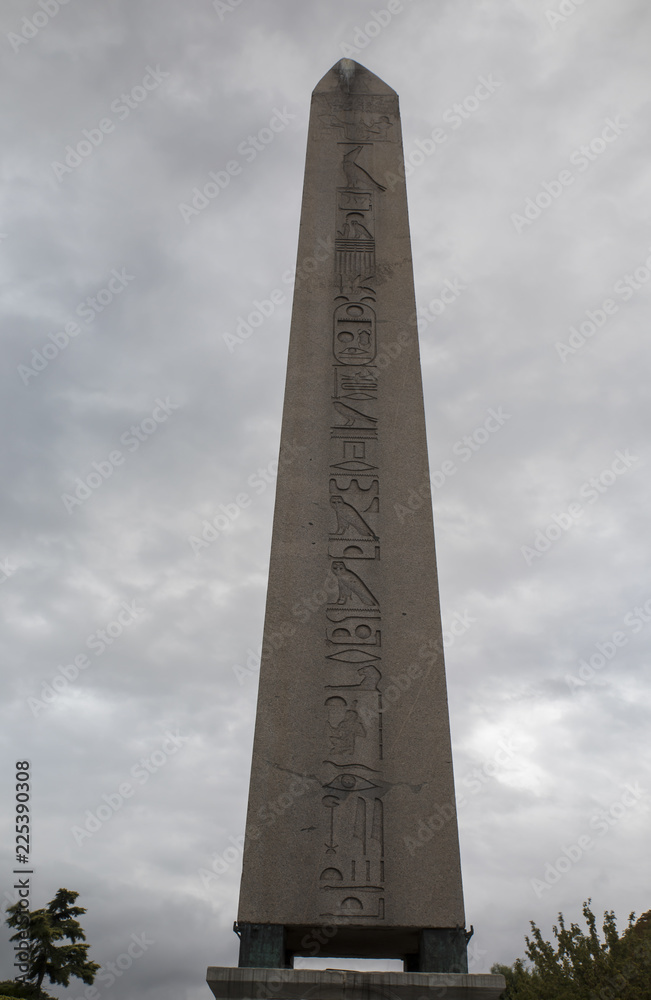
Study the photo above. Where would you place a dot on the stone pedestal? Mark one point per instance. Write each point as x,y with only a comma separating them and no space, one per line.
308,984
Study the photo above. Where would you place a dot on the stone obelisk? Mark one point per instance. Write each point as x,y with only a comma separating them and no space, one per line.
351,844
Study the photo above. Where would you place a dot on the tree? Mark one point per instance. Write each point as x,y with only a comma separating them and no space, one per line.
581,966
13,990
47,926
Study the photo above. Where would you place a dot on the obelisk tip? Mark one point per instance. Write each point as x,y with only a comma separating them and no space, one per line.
346,69
352,78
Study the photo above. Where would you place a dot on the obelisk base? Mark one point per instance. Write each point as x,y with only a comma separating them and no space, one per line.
430,949
332,984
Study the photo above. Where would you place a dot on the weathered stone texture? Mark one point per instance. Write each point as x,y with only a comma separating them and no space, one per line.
352,817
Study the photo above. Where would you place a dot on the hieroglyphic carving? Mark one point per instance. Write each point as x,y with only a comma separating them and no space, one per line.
349,519
355,287
356,383
355,433
334,613
361,494
363,814
353,417
355,201
355,228
353,549
331,802
370,677
351,587
353,656
377,104
357,177
346,728
352,125
354,333
363,468
353,681
354,630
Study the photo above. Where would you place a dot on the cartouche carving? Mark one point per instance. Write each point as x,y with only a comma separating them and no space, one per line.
354,333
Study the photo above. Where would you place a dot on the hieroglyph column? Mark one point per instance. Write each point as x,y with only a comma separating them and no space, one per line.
351,759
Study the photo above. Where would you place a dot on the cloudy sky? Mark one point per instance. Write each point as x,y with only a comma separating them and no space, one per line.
132,413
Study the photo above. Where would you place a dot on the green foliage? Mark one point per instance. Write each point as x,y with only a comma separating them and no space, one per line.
41,932
24,991
582,966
